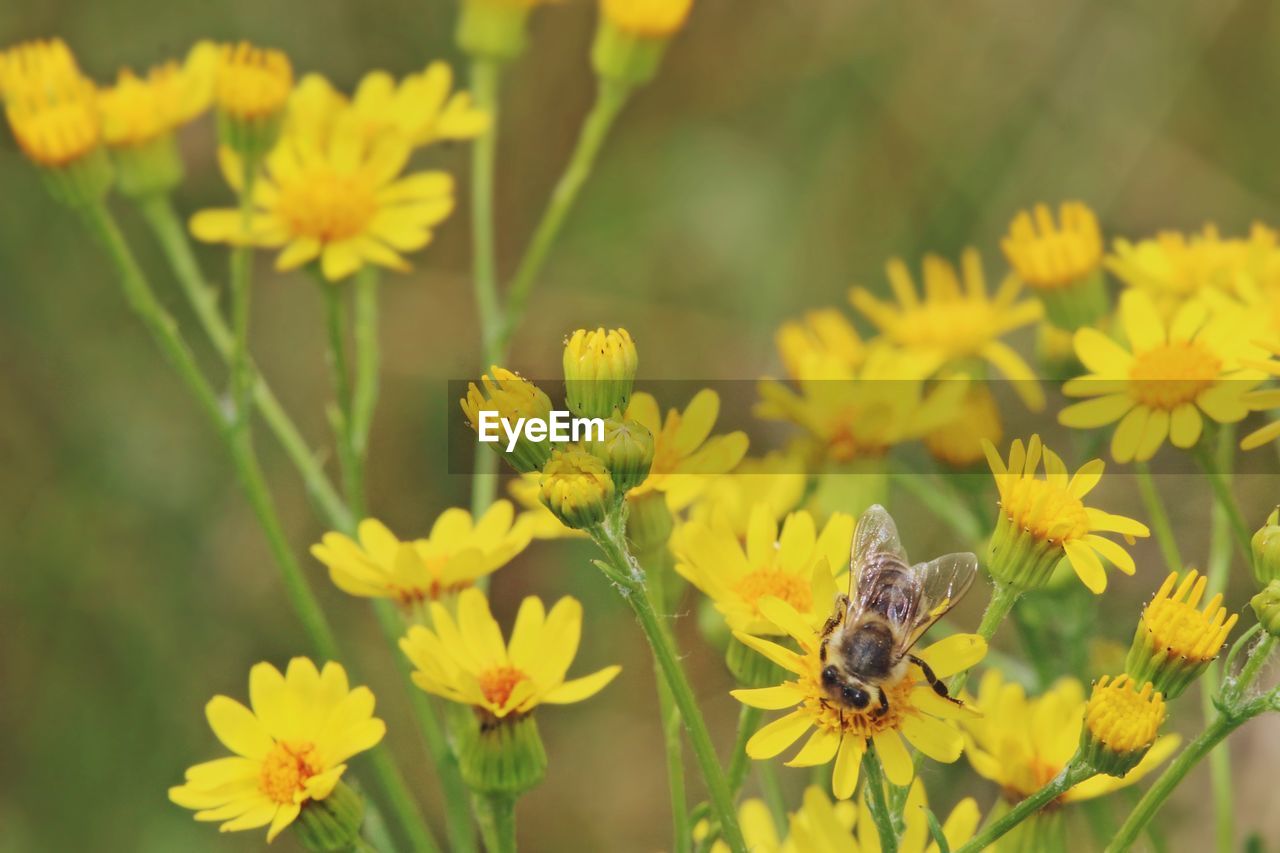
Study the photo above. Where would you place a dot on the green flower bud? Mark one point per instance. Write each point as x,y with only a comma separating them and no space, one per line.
494,29
599,370
1266,606
332,824
508,396
1266,550
626,450
502,756
577,488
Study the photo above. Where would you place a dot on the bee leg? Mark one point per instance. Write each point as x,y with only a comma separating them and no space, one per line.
884,703
934,681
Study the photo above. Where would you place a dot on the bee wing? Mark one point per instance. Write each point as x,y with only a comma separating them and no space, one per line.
876,534
942,582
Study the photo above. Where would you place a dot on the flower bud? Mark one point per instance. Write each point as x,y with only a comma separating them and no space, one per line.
494,29
1120,724
1061,262
251,91
633,35
1266,606
577,488
1266,550
1175,641
599,370
507,396
332,824
503,756
626,450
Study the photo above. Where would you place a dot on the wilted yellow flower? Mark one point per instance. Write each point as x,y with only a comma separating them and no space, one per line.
798,565
139,110
685,452
341,204
915,711
956,321
647,18
820,344
1121,722
1173,375
252,83
465,659
51,106
290,749
1043,521
1021,742
453,556
958,443
1175,641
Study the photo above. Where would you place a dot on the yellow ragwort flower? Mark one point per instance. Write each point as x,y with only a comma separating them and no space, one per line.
915,711
1042,521
647,18
958,444
465,660
798,565
453,556
290,749
776,480
823,343
956,321
51,107
1021,743
342,204
1175,641
1121,722
685,452
1048,255
139,110
1173,375
252,83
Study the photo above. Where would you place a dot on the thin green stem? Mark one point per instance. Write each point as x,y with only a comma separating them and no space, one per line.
368,358
165,331
1253,665
877,800
611,98
1073,774
1222,493
748,721
341,413
1216,573
621,568
771,788
1003,598
163,220
497,814
1160,524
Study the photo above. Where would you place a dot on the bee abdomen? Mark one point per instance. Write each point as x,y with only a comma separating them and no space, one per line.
892,591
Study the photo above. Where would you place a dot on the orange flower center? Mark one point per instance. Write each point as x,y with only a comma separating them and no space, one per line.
325,205
286,769
769,581
1169,375
496,684
1045,509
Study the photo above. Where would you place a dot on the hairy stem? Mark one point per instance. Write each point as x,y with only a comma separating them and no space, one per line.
877,800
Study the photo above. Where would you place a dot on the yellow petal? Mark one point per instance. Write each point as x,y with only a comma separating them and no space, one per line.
1097,412
1086,566
1128,435
933,737
238,729
1100,354
954,654
844,777
775,737
894,757
819,749
585,687
769,698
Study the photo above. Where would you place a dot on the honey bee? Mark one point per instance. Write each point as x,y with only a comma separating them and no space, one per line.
867,642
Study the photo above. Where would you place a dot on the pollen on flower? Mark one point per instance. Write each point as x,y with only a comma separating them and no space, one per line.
838,719
496,684
326,205
1169,375
1122,719
286,770
791,588
1177,626
1046,509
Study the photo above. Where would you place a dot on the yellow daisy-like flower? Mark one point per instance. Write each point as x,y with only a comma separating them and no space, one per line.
957,321
685,452
958,444
798,565
775,481
466,660
290,749
1121,721
915,712
454,555
1050,255
1041,521
137,110
1021,742
822,344
1172,376
252,83
341,203
1175,641
51,107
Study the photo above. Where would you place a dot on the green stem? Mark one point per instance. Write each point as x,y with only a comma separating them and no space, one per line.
1003,598
165,331
1216,573
341,414
1159,518
365,394
611,97
877,801
627,575
163,220
771,788
1223,495
748,721
1073,774
497,814
1253,664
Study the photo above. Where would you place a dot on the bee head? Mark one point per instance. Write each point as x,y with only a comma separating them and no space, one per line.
850,695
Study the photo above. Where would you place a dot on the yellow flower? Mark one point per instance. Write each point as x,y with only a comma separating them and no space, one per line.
685,452
1171,376
541,522
1175,641
290,749
647,18
1121,722
341,203
1048,255
1021,743
956,321
577,488
798,565
466,660
775,480
51,106
453,556
138,110
252,83
958,443
422,107
915,712
823,343
1041,521
509,396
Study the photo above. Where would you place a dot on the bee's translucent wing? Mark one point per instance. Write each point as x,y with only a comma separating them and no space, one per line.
876,534
942,582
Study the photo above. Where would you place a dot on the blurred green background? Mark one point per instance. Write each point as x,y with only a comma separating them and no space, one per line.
785,151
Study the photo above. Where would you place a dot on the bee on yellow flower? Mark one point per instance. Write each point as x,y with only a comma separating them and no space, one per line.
1173,375
954,321
290,749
